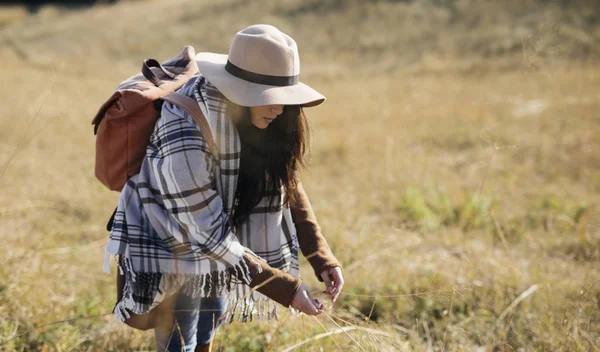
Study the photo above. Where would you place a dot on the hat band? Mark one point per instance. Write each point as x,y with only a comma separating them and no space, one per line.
258,78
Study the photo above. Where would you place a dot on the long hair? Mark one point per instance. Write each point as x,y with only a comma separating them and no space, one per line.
270,159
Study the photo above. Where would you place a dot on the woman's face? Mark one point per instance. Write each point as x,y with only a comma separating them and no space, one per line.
262,116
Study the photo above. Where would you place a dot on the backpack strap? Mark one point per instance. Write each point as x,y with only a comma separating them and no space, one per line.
190,105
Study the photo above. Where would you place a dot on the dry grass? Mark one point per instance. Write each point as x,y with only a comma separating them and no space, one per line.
458,184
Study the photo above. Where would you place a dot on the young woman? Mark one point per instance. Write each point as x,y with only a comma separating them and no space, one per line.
215,235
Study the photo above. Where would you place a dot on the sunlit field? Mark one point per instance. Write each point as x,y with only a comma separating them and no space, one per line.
454,169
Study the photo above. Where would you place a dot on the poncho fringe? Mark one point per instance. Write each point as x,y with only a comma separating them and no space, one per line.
194,285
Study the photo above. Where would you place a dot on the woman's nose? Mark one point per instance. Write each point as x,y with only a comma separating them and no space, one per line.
277,109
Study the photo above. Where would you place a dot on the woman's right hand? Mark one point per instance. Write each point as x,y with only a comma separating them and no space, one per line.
305,302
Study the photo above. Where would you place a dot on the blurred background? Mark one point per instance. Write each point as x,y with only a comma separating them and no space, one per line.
455,169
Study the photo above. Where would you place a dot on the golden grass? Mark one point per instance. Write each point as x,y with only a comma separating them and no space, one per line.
461,199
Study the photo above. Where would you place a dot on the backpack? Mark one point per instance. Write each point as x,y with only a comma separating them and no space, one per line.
124,123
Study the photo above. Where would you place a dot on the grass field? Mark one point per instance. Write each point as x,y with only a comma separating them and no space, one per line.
455,170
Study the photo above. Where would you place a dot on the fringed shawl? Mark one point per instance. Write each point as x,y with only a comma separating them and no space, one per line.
171,228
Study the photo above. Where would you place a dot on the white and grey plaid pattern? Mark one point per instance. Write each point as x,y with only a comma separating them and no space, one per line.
171,227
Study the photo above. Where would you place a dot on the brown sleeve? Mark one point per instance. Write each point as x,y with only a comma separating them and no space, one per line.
312,243
271,282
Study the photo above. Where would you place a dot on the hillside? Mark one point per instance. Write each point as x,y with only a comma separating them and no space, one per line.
353,35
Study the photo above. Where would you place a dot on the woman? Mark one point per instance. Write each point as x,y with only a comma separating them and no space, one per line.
215,236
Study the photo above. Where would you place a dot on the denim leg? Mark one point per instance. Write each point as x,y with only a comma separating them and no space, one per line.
185,317
211,310
192,322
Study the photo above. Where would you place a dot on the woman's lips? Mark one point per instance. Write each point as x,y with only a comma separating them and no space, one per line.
269,119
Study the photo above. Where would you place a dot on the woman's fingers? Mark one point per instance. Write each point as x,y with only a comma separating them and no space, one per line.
309,305
338,280
334,281
327,280
314,303
304,301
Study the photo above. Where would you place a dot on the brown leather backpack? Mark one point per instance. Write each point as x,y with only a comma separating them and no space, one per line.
124,123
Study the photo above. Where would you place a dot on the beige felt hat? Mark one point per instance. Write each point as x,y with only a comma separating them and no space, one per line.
262,68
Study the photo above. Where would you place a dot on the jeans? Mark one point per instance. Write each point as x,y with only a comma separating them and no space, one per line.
195,320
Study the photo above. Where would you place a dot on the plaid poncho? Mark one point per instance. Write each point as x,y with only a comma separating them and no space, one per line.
171,227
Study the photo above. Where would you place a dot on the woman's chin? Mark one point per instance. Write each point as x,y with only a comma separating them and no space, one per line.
261,126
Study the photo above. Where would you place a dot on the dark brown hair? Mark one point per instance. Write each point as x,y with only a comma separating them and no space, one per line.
270,159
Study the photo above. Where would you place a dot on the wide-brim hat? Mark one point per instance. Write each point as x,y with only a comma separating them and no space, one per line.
262,68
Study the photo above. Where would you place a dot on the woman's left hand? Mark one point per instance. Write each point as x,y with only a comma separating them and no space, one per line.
334,281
